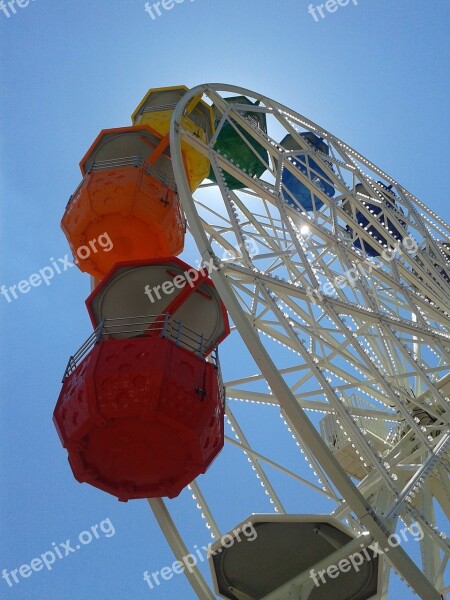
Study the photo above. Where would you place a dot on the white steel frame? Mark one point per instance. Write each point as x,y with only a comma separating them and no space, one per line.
385,339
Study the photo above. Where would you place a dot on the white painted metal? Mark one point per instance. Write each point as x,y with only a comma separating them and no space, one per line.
383,340
178,547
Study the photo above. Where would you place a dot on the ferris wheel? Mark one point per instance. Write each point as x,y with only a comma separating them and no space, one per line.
336,279
332,282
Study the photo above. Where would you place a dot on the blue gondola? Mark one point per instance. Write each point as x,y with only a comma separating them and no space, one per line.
303,161
380,209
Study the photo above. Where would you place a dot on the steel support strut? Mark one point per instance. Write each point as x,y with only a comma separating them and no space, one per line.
306,431
179,549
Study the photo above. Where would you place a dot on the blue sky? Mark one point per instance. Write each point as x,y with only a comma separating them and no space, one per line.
374,74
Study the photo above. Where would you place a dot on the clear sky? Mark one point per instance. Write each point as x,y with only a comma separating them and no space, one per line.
374,73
